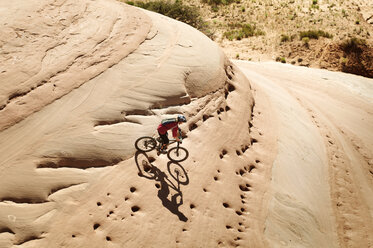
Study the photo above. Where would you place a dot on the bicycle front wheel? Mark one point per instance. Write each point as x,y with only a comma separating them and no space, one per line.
178,154
145,144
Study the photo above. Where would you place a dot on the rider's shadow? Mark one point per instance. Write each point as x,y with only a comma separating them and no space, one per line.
148,170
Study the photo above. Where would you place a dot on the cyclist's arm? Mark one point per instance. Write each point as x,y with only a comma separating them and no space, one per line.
175,132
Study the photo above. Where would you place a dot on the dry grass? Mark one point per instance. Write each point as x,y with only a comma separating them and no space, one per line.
295,30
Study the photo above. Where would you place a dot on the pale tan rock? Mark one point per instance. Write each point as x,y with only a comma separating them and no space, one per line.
281,161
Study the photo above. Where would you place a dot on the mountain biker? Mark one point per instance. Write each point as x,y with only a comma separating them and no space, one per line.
167,124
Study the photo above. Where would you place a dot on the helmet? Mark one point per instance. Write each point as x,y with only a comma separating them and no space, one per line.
181,118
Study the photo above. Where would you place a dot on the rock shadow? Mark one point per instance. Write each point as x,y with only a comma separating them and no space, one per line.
178,175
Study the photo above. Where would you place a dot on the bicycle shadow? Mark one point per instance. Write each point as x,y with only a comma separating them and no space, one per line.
149,171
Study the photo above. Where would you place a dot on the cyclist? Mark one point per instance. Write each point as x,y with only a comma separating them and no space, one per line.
167,124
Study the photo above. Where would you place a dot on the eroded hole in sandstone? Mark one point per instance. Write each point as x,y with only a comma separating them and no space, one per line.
192,206
231,87
239,213
227,108
132,189
23,200
192,126
77,163
6,230
112,122
95,226
228,227
223,152
244,188
251,168
238,152
226,205
244,148
17,94
216,178
108,238
98,203
135,208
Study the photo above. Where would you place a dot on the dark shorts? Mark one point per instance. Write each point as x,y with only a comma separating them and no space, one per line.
164,138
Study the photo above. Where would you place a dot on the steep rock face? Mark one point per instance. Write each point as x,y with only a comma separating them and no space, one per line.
80,82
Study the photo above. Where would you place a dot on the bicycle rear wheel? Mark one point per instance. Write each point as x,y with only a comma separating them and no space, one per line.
145,144
178,154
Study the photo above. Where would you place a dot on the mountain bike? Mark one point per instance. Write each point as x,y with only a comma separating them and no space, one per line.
176,154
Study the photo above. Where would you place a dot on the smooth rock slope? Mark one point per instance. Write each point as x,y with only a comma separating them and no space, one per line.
281,161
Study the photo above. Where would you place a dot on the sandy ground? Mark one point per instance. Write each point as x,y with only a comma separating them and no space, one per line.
279,155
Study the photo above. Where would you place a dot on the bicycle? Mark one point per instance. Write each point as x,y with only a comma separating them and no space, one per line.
175,154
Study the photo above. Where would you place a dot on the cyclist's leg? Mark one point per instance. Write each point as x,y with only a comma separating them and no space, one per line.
165,141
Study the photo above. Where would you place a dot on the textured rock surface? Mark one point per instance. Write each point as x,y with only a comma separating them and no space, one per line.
282,160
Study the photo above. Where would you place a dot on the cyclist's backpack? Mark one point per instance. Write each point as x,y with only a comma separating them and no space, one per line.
168,121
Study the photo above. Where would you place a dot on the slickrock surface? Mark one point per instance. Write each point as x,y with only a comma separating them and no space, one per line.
279,156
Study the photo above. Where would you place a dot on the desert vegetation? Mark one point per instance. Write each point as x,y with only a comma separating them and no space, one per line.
266,30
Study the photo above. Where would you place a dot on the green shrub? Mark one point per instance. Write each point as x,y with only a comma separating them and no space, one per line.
314,34
306,41
344,13
343,60
176,10
218,2
352,44
281,59
242,31
215,8
285,38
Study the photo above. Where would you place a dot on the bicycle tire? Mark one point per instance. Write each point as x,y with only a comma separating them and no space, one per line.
177,154
178,173
145,144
